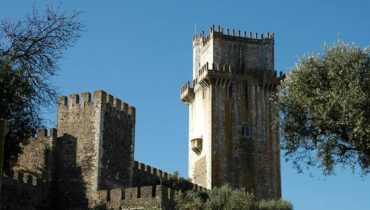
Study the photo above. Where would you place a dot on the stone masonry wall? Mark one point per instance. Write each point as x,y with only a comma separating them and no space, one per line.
94,147
25,191
30,187
250,161
147,175
117,152
233,84
37,157
76,150
147,197
254,54
200,125
243,51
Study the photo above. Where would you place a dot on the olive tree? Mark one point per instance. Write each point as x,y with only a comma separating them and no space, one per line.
324,104
226,197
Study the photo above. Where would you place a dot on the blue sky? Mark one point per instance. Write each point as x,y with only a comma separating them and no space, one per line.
141,52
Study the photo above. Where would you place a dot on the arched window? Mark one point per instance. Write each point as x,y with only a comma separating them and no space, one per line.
245,131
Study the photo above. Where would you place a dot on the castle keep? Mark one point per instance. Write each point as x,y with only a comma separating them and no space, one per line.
232,138
89,158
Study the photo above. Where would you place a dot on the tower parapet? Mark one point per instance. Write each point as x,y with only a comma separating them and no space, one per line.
231,34
233,49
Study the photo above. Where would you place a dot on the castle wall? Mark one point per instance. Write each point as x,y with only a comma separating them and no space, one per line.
200,127
144,175
37,157
147,197
30,185
25,191
77,149
117,152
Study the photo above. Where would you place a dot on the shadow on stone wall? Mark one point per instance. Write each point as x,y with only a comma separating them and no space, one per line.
12,151
26,189
69,186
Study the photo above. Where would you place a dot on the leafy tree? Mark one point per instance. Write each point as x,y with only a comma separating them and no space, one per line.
226,198
325,110
29,52
178,183
274,205
190,200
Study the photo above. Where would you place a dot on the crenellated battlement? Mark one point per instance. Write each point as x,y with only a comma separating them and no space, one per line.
43,133
99,97
25,178
226,72
135,193
155,196
232,34
151,170
147,175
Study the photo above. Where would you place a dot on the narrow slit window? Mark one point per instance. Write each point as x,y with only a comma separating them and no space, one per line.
245,131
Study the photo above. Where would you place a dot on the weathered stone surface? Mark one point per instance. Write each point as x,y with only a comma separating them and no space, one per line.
30,185
200,171
147,197
95,146
232,112
93,149
36,157
25,191
147,175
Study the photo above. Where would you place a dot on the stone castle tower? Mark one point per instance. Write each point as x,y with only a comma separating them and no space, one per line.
94,146
232,137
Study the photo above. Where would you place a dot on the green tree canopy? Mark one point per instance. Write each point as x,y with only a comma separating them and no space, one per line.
29,52
325,110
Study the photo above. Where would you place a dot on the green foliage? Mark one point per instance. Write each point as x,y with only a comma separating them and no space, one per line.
178,183
274,205
325,110
29,52
189,200
227,198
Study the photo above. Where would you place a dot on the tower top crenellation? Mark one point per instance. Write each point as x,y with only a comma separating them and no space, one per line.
233,34
99,96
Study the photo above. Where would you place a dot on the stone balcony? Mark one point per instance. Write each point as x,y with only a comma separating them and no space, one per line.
187,93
